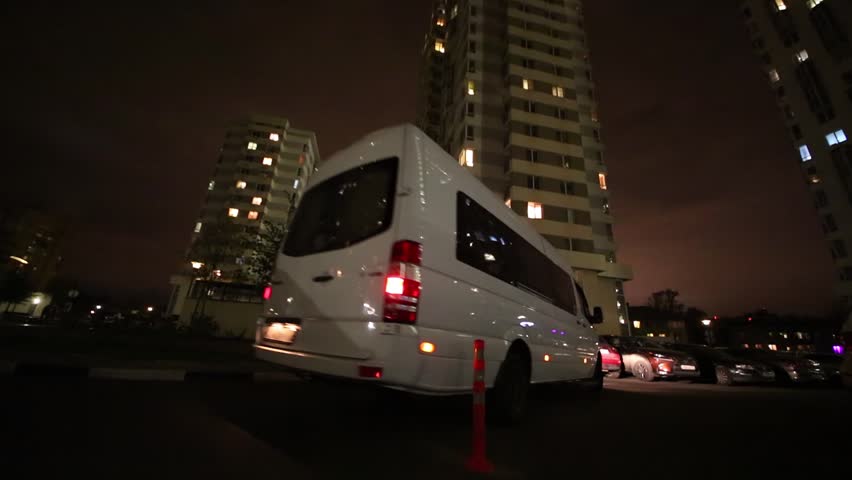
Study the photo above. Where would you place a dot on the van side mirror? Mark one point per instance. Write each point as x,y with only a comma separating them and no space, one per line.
597,316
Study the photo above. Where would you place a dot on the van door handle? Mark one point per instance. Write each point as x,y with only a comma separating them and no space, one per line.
323,278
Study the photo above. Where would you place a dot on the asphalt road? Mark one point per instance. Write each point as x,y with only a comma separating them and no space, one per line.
66,428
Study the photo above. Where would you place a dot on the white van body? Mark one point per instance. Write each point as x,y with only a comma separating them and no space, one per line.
330,294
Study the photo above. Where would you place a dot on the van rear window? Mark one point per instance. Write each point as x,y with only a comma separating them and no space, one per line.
343,210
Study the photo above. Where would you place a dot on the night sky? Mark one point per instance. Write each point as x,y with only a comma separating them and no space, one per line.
114,118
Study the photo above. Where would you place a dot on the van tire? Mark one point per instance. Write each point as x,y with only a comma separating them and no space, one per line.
595,384
511,388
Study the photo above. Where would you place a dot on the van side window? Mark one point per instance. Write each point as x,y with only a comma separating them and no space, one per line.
482,241
563,287
489,245
584,302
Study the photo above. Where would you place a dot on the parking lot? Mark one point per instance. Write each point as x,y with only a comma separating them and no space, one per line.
224,429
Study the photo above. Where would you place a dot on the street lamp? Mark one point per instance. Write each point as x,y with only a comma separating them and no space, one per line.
706,322
150,309
98,307
196,265
36,300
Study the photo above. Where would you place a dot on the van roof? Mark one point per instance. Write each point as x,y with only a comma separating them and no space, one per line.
407,132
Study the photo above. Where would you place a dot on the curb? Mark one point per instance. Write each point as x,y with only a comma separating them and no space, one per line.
140,374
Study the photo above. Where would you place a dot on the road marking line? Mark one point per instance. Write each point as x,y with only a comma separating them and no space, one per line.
143,374
275,377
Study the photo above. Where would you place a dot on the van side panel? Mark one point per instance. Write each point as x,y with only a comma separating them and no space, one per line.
463,301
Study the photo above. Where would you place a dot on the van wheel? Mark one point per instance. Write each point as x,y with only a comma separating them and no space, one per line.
642,371
620,373
511,388
595,384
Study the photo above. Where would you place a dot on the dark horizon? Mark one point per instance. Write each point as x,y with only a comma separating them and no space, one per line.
117,115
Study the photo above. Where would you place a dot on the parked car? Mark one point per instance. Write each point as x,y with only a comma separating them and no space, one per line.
830,364
612,364
788,368
648,360
725,368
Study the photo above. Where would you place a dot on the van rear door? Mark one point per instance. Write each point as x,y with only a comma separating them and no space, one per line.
335,256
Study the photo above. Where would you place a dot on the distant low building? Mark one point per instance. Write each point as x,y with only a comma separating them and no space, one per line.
29,257
781,333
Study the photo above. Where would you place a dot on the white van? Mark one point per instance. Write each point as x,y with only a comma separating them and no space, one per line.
398,258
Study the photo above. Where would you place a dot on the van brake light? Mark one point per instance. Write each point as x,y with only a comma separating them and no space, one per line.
402,285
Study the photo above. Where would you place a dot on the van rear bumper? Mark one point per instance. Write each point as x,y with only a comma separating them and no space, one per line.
415,373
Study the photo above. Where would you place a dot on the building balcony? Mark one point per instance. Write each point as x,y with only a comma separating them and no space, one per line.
544,120
564,43
549,171
536,143
562,229
618,271
546,58
543,97
562,26
523,194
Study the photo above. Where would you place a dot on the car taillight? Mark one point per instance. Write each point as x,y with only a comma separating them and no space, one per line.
267,292
402,284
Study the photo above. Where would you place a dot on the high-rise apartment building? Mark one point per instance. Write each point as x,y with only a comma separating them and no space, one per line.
507,88
805,47
259,177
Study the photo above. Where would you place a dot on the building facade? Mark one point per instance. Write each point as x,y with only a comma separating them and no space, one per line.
805,47
506,87
260,175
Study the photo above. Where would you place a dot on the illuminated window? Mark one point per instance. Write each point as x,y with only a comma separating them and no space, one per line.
801,56
637,324
526,84
558,92
296,183
439,46
274,137
440,22
780,5
773,75
813,3
233,212
621,319
773,347
252,146
835,137
197,227
471,88
509,202
241,184
466,157
211,185
256,201
454,11
533,210
252,215
602,180
267,161
804,152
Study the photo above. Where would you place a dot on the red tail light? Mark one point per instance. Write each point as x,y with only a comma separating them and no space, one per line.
402,284
267,292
